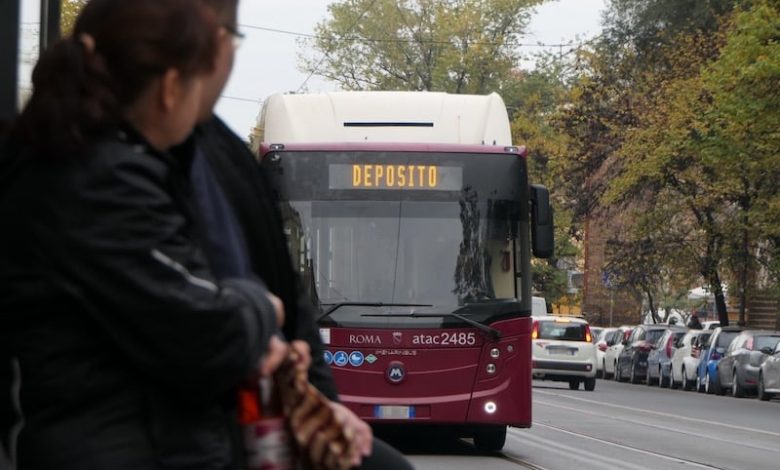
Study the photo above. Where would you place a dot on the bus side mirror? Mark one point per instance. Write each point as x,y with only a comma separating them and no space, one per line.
542,234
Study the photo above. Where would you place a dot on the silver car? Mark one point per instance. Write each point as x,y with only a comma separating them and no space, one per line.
738,370
769,376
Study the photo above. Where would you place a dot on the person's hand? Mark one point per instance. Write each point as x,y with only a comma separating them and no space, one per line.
278,308
363,435
303,354
274,356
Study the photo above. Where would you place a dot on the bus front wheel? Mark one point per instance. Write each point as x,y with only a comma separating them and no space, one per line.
490,438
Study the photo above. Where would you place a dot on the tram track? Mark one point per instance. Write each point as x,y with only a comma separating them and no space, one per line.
521,462
631,448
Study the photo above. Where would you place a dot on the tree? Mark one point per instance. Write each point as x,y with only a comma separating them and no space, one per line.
661,159
650,25
743,141
636,130
457,46
653,258
535,97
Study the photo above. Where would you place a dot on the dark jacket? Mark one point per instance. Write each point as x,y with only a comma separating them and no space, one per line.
256,207
129,349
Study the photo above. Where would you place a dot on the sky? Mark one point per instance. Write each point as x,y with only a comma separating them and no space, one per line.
266,62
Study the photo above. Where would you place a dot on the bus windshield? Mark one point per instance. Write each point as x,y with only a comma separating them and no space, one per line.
425,252
447,241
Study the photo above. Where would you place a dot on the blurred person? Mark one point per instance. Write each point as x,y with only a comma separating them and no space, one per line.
243,229
694,323
127,349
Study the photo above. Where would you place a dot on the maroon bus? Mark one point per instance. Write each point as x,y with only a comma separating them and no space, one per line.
417,250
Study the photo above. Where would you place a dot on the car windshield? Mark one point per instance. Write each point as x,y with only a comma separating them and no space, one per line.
562,331
725,338
761,342
653,335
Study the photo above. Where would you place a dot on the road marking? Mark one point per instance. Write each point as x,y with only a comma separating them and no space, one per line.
659,413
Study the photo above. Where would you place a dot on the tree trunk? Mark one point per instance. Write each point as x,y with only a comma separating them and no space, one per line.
709,265
651,304
743,279
720,299
744,260
710,273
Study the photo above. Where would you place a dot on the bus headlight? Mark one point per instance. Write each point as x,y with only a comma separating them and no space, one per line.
494,353
491,369
490,407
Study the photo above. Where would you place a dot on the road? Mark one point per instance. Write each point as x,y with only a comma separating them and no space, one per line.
619,425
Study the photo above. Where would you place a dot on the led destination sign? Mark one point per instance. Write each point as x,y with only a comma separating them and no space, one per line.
395,176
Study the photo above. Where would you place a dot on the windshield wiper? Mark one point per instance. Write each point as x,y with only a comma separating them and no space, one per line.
494,334
337,306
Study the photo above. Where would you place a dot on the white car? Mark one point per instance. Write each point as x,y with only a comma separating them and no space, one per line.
710,324
614,347
563,351
605,339
685,360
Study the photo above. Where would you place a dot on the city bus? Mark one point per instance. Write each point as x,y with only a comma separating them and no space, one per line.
411,221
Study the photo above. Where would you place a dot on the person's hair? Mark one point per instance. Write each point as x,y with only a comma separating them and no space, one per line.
82,84
226,10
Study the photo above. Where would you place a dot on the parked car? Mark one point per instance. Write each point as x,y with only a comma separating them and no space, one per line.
712,353
595,332
562,350
685,359
606,339
738,370
769,376
632,361
614,348
659,360
710,324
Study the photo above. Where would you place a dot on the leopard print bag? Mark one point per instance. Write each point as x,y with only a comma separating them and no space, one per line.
321,441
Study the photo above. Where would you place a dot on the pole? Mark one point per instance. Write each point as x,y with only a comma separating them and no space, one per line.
9,60
611,304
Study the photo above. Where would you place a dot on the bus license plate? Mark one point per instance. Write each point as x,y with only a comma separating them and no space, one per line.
393,412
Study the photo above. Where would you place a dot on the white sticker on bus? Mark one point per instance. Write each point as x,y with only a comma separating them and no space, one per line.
325,335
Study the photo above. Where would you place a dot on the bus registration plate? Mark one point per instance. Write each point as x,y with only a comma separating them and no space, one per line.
393,412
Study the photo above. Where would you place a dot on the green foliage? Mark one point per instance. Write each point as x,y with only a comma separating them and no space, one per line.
703,142
535,99
652,24
743,142
458,46
598,108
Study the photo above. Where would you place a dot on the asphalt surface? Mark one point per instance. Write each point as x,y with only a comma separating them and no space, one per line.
619,425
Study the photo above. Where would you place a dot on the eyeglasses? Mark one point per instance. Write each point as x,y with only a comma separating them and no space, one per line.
238,36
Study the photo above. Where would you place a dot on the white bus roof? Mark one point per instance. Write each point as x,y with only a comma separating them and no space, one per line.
386,116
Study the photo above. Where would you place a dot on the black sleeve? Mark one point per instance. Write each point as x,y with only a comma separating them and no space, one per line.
130,255
7,415
249,191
